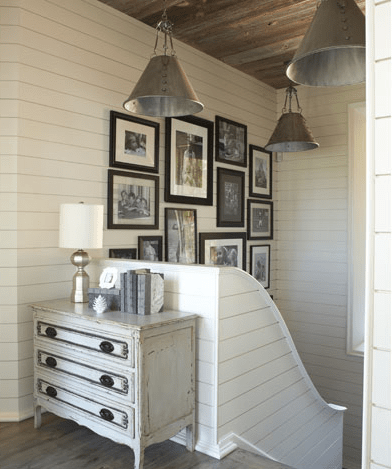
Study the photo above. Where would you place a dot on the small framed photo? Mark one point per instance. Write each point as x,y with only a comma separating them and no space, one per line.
230,198
150,248
123,253
225,249
260,264
108,277
260,172
231,142
189,160
260,219
181,235
134,143
133,200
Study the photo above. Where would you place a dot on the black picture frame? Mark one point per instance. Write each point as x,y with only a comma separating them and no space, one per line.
189,160
260,219
231,142
133,201
260,263
150,248
230,207
181,235
134,143
122,253
212,253
260,172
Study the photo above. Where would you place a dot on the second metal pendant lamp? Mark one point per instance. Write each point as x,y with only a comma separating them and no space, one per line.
163,90
291,132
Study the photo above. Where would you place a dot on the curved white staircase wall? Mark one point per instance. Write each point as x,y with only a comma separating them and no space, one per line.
252,388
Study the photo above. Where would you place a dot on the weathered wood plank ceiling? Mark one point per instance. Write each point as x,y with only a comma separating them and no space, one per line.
258,37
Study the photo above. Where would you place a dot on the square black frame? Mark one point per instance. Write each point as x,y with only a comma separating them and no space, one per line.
185,172
125,129
231,142
115,215
155,252
230,207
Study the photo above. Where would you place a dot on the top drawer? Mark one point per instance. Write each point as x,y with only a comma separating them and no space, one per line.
97,343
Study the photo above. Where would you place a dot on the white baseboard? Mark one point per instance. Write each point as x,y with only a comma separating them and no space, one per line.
15,416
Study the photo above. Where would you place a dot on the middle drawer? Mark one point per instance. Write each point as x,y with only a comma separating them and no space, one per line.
102,378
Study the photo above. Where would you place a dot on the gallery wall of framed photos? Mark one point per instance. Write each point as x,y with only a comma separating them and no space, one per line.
209,171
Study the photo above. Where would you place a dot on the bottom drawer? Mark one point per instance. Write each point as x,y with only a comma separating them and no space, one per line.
102,412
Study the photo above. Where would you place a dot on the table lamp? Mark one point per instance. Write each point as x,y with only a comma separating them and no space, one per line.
81,227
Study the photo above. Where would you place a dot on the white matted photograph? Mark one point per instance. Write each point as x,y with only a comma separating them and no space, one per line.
260,172
132,200
260,264
180,235
223,249
260,219
134,143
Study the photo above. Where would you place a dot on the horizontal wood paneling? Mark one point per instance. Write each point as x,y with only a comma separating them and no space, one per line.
311,209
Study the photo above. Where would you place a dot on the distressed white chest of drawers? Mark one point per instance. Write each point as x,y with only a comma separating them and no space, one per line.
129,378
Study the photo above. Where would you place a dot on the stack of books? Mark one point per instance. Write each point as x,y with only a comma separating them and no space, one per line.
142,292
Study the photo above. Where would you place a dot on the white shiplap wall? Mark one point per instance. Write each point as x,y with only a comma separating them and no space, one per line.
377,414
311,281
64,66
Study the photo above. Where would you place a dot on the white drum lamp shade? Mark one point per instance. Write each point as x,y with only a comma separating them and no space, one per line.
81,227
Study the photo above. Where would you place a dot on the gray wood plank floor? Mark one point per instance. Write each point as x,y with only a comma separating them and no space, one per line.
63,444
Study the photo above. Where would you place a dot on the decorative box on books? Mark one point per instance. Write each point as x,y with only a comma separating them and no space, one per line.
142,292
111,295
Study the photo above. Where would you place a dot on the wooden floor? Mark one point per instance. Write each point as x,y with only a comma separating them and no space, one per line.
63,444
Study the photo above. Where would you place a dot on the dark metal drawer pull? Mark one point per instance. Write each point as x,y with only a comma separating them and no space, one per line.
51,332
106,347
50,361
107,381
50,391
106,414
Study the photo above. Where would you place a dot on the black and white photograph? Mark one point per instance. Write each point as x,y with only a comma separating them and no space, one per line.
150,248
260,219
132,200
260,172
230,198
181,235
122,253
189,161
223,249
260,264
134,143
231,142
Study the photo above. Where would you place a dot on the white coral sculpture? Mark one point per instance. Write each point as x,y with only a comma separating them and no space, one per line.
100,305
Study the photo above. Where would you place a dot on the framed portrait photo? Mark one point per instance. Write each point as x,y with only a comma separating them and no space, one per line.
189,160
150,248
180,235
122,253
230,198
260,219
260,172
134,143
224,249
133,200
260,264
231,142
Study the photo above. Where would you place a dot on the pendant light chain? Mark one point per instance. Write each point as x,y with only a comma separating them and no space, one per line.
165,26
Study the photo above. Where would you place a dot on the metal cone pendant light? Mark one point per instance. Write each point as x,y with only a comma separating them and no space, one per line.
163,89
291,132
332,52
